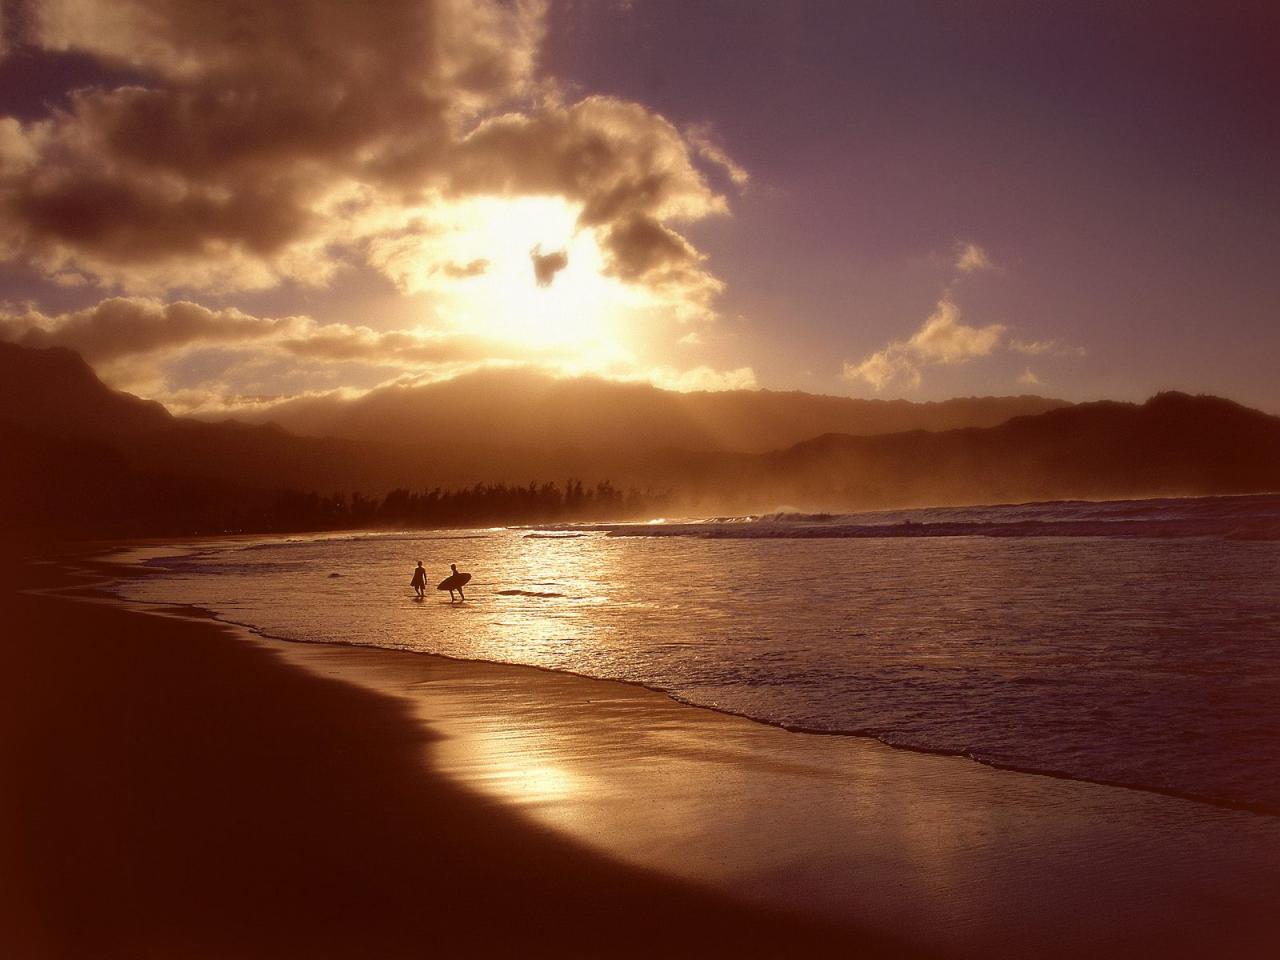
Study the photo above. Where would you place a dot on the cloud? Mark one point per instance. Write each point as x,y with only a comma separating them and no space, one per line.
1028,378
945,340
131,328
883,368
701,137
249,124
193,357
971,258
644,248
458,271
942,340
149,346
1053,348
18,153
629,172
124,327
253,146
263,142
547,265
703,378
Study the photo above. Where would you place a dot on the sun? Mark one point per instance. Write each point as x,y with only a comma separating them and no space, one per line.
489,287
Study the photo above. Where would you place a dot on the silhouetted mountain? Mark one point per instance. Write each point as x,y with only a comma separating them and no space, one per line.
505,426
1173,445
54,391
81,458
506,407
78,488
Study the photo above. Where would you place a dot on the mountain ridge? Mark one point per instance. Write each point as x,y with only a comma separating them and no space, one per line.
82,456
525,407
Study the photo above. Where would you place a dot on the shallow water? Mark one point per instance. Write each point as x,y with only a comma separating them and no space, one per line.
1139,644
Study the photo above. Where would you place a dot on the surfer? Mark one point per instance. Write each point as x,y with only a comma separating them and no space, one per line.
455,581
419,581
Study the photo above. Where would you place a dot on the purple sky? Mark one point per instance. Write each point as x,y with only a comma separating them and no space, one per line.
1118,161
1110,167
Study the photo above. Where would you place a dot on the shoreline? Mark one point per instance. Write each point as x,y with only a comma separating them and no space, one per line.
840,829
117,570
176,790
199,612
845,833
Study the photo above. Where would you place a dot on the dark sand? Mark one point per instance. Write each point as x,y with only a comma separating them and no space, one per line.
172,790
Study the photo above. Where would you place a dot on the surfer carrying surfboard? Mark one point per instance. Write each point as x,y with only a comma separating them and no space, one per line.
455,581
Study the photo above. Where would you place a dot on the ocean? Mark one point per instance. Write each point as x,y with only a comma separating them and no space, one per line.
1133,643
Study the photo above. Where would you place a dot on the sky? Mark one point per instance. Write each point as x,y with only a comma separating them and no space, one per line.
221,205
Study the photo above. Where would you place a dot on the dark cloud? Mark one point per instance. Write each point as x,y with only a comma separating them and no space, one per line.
249,127
262,141
628,167
642,248
547,265
126,326
131,219
472,268
220,148
139,342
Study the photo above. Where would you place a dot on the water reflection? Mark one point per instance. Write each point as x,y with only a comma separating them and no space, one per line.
1150,662
847,828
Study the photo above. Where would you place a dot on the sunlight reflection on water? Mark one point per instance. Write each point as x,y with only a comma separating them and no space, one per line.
1148,662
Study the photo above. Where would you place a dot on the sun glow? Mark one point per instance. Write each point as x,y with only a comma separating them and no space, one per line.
480,261
524,282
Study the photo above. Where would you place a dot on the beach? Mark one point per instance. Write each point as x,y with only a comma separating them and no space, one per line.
179,787
176,791
519,479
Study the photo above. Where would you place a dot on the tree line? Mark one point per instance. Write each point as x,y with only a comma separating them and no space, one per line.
75,490
483,504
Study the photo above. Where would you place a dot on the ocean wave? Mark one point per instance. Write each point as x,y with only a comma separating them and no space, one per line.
1141,662
1234,518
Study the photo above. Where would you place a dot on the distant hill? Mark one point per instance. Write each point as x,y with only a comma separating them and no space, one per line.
1172,445
509,407
506,426
81,458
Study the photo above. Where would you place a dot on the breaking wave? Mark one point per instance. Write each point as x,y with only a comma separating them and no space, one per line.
1236,518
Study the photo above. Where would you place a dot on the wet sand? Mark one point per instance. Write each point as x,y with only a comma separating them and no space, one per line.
186,788
951,856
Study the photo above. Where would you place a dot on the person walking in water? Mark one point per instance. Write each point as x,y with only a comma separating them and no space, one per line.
419,581
455,581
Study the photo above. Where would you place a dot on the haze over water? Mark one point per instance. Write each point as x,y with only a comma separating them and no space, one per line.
1137,644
